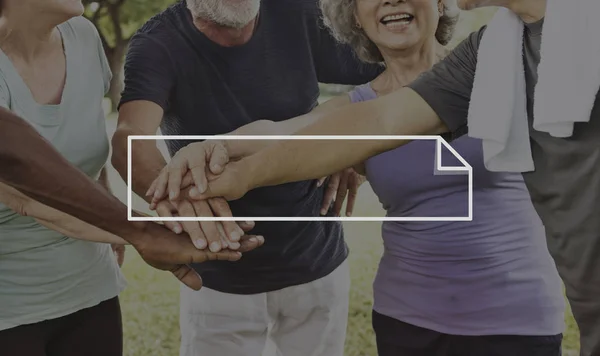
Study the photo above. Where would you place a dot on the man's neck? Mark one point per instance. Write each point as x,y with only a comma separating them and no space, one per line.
226,36
528,10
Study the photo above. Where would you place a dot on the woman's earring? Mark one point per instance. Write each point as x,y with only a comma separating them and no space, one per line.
358,25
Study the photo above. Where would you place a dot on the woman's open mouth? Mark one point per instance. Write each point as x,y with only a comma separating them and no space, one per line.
397,21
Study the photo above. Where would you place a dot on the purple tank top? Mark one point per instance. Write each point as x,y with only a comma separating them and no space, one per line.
493,275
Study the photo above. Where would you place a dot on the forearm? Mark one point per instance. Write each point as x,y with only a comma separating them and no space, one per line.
40,172
400,113
77,229
54,219
242,148
146,159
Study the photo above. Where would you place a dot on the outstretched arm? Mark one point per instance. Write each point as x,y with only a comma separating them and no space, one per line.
402,112
32,166
54,219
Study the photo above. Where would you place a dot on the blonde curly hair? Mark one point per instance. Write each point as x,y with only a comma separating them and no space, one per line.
338,16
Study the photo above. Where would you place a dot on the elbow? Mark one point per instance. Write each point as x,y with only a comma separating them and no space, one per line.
118,157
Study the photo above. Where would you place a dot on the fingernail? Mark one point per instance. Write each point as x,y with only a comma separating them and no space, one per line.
260,239
177,229
157,194
200,244
216,167
235,236
249,222
215,247
235,245
194,192
323,211
348,214
172,195
148,192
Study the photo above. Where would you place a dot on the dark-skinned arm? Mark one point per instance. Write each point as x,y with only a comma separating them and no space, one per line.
31,165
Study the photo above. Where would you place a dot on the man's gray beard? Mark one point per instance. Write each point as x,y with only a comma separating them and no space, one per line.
229,15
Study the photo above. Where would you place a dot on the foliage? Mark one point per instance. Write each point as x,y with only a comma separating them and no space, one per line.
128,15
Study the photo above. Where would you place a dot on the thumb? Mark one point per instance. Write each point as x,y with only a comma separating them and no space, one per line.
188,276
218,159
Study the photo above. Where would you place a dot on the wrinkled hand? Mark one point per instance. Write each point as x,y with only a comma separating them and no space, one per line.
119,251
198,161
215,235
340,185
167,251
231,184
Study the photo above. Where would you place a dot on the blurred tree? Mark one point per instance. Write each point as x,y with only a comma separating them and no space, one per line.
117,21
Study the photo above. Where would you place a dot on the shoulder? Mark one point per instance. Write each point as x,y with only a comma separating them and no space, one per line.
80,28
164,24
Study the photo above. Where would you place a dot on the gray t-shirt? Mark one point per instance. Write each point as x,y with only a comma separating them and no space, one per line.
43,274
565,186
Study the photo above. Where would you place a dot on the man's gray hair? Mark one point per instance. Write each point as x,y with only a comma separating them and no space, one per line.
230,15
338,16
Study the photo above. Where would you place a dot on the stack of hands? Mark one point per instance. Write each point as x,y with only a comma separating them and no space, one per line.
201,178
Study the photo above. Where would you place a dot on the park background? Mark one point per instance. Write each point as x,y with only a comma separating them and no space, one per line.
151,302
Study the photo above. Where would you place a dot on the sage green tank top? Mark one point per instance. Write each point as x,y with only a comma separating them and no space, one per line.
43,274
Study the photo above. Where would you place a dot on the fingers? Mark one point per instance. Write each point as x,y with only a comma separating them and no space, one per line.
246,225
220,208
321,181
160,187
200,256
341,194
187,276
250,242
352,193
188,180
211,232
166,209
177,169
330,192
193,228
218,158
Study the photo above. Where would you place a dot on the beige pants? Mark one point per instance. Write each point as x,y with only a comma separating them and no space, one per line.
304,320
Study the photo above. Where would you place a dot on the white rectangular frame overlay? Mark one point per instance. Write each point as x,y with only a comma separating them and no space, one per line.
438,169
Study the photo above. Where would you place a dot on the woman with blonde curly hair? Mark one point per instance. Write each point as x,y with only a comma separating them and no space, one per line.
483,287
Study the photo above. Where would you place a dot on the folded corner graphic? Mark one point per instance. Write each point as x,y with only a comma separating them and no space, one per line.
438,169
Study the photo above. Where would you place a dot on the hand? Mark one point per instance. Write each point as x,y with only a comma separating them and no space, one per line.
341,184
232,184
119,251
216,235
192,161
164,250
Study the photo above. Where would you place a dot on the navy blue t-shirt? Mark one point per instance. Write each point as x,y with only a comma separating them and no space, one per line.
207,89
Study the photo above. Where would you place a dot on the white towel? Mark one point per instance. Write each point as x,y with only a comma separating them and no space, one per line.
568,81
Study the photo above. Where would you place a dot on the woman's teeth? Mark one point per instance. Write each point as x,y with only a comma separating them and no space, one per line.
397,20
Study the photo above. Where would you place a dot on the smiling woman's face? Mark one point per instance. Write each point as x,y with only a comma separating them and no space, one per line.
398,25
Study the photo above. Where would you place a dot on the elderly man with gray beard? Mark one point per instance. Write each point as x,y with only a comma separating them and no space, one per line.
207,67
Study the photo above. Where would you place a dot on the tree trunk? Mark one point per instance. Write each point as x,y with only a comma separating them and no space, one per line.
116,60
